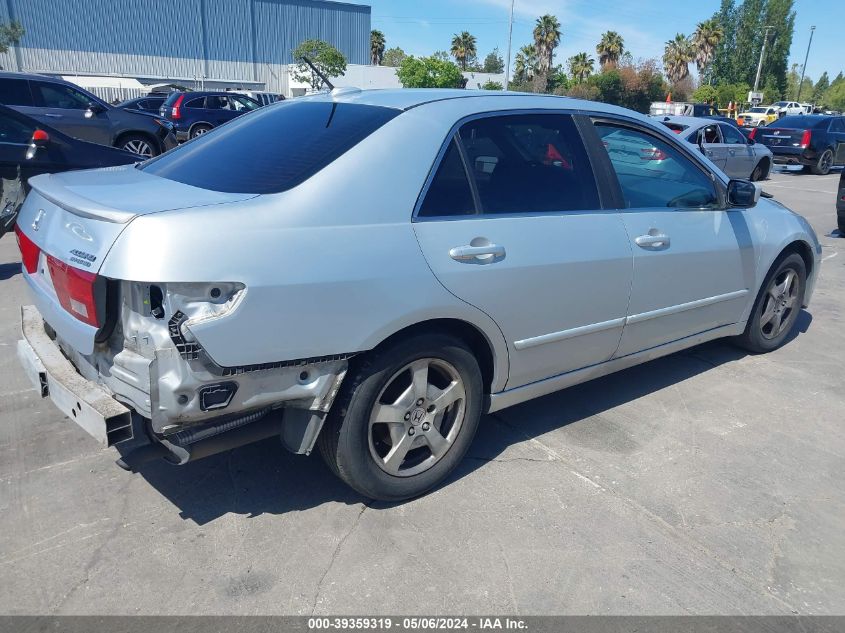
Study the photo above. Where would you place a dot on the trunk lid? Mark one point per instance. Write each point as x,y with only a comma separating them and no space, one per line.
779,137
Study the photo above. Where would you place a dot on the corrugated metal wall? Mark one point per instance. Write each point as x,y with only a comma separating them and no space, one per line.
240,40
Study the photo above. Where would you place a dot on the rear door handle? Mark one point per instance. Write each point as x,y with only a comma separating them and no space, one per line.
477,254
653,241
52,116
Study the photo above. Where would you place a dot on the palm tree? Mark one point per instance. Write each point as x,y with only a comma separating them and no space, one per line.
377,44
677,57
546,39
525,64
581,66
463,49
707,36
610,48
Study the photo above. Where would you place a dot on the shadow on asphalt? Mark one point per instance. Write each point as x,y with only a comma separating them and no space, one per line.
7,271
264,478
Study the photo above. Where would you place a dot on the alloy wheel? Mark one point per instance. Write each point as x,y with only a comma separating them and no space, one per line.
417,417
826,161
137,146
780,305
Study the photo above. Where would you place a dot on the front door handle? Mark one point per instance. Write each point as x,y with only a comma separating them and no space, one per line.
653,241
486,254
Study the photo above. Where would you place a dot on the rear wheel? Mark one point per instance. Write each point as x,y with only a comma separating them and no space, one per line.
776,307
138,144
761,171
199,130
405,417
840,221
823,164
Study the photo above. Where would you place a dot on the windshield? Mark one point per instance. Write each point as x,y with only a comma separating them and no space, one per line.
781,103
759,110
801,122
272,149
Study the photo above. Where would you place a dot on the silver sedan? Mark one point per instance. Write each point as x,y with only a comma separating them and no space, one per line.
368,272
725,145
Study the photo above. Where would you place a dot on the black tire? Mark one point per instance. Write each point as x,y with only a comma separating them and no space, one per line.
346,443
761,171
755,339
200,129
823,164
134,142
840,222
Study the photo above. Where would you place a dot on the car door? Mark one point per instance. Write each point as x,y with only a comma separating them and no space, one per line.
511,222
240,104
64,108
837,133
740,160
693,260
710,138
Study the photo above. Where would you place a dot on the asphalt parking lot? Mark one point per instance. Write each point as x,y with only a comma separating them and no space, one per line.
706,482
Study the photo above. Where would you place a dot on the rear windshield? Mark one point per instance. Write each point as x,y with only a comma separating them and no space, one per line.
171,98
801,122
272,149
677,128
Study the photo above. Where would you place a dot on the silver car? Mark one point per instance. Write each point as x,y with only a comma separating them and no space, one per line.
368,272
725,145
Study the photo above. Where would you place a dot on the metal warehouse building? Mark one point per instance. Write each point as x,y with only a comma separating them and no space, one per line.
215,43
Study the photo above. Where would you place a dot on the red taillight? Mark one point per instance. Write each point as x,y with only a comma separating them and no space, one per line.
805,138
753,133
75,290
40,136
175,110
29,251
652,153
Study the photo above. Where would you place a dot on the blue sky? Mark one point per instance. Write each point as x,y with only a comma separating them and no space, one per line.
421,27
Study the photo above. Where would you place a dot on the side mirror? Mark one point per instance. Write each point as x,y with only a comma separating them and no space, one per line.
750,140
93,110
40,139
743,194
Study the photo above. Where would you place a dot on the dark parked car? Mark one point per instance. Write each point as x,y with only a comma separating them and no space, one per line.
195,113
840,205
29,148
151,103
813,140
70,109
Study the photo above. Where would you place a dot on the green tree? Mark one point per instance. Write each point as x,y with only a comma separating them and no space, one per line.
820,88
677,57
10,35
493,63
547,36
835,95
429,72
721,70
707,37
377,44
324,56
705,94
610,48
491,85
393,57
609,85
581,66
525,64
464,49
780,15
748,40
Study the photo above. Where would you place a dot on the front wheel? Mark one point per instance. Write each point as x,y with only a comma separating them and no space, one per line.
139,144
405,417
776,307
761,171
199,130
823,164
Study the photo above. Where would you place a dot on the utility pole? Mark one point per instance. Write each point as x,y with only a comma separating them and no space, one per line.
804,67
510,37
762,54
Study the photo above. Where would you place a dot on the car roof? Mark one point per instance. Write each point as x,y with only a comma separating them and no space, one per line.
692,122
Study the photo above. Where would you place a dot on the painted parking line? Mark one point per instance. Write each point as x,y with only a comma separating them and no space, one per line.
775,184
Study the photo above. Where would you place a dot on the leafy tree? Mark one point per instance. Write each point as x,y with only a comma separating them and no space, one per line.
324,56
722,70
491,85
705,94
609,85
584,90
393,57
429,72
547,36
820,88
677,57
835,95
610,48
493,63
708,35
581,66
780,15
10,35
443,56
377,44
737,92
464,49
525,64
558,80
643,83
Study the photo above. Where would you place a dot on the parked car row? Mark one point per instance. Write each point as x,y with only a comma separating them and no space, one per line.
532,242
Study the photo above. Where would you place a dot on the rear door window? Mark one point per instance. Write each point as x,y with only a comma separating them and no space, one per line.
449,193
529,163
59,96
654,174
196,103
273,149
15,92
731,135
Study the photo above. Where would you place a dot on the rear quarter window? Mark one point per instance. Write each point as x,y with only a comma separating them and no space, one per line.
272,149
